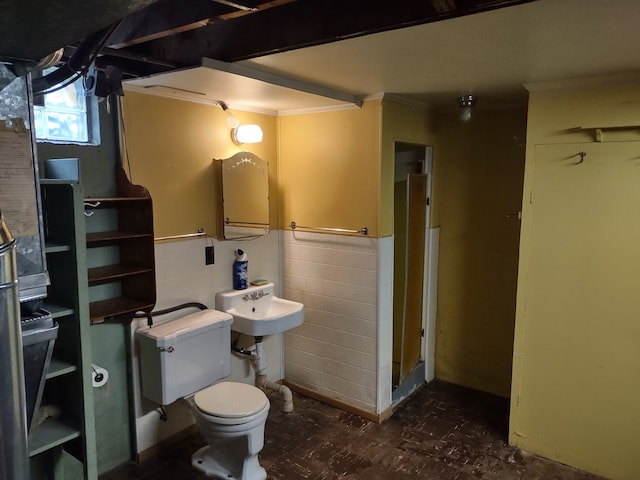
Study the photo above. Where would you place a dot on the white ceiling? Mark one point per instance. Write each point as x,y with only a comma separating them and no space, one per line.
209,85
491,55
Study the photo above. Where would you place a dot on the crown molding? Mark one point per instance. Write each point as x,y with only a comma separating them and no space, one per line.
584,82
166,91
403,100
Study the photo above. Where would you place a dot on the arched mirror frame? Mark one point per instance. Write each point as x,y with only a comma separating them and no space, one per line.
243,209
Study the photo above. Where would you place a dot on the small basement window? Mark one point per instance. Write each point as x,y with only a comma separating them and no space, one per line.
67,116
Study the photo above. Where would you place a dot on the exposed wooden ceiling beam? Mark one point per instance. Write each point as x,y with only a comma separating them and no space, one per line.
444,6
262,6
33,29
165,18
306,23
236,5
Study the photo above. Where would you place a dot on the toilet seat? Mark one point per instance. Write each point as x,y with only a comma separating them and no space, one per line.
231,402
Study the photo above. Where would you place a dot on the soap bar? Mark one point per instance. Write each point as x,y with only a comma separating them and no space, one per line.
259,282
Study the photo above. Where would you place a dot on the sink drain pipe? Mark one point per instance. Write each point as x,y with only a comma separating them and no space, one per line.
263,383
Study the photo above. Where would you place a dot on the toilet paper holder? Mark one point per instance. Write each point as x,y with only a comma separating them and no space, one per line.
99,375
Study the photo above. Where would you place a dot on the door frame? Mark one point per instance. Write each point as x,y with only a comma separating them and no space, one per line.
430,277
430,270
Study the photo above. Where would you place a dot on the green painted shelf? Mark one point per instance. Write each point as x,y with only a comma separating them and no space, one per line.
58,311
59,367
56,248
68,377
51,433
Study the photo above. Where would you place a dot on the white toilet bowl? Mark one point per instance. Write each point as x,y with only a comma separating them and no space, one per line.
231,417
186,356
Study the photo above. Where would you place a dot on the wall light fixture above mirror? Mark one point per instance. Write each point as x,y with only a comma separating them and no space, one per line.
241,133
246,134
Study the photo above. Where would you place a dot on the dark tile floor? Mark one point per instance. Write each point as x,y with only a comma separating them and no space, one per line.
442,432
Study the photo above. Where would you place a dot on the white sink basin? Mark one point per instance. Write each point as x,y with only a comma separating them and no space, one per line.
257,311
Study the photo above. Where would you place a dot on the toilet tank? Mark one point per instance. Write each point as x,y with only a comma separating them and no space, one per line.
182,356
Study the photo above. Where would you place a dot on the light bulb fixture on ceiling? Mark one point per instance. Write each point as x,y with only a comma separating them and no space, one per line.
232,121
246,134
467,102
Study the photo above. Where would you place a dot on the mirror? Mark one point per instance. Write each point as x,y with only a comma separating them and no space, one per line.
245,196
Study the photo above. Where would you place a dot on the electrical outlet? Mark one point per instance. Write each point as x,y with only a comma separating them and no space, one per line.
209,258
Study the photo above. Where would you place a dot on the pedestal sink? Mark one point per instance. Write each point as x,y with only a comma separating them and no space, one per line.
257,311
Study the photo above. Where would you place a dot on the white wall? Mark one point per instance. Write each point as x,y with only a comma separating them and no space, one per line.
182,276
385,322
334,351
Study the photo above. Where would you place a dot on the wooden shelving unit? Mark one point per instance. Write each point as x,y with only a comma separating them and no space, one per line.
97,239
68,379
129,273
116,259
109,273
117,307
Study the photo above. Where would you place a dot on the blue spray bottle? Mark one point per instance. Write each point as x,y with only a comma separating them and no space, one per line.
240,271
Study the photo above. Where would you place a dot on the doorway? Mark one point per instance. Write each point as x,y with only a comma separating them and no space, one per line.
410,240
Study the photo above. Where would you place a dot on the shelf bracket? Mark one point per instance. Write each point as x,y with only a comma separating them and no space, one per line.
598,130
599,135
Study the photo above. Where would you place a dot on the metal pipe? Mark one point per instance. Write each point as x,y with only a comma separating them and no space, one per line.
178,237
14,451
232,223
149,316
284,391
362,231
263,383
78,63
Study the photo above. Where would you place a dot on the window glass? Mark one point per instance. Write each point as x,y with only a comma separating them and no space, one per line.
63,117
66,126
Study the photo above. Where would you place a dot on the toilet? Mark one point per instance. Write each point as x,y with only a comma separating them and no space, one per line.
186,358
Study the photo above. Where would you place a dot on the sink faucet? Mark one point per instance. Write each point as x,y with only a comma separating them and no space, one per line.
254,296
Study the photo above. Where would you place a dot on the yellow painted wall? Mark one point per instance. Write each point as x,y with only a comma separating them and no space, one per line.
171,145
329,168
576,370
477,179
400,123
478,175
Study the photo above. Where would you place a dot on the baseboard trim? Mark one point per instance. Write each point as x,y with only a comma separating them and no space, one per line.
163,445
334,402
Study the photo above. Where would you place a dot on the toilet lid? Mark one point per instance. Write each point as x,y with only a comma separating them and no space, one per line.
230,400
